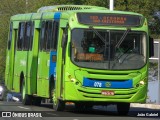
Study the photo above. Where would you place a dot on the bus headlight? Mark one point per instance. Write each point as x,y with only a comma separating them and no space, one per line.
141,82
73,79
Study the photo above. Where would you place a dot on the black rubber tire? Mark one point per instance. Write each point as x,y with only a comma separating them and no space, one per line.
59,105
37,101
123,108
26,99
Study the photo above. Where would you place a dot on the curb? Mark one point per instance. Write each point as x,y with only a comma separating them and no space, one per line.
150,106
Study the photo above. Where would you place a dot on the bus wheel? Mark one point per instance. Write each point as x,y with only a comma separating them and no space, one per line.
37,101
26,99
58,105
123,108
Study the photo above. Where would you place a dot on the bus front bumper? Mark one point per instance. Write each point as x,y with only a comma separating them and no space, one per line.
77,93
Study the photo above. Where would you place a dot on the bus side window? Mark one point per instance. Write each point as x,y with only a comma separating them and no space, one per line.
27,36
50,34
21,31
42,35
10,36
45,36
55,35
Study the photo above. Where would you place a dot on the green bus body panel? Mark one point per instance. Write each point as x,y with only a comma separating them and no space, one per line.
15,25
20,66
59,66
80,93
35,64
10,63
7,68
43,72
37,24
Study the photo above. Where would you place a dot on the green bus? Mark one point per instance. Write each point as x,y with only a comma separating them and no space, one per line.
87,55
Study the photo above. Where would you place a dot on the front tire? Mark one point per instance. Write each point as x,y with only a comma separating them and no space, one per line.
58,105
123,108
26,99
37,101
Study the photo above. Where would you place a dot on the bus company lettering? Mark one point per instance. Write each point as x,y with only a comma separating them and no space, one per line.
29,114
108,19
89,57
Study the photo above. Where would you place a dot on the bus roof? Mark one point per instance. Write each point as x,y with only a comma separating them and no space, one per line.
68,8
66,11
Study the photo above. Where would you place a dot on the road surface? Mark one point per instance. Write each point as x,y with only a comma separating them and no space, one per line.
98,112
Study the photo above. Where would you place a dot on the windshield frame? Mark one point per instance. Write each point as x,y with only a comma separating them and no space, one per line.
111,30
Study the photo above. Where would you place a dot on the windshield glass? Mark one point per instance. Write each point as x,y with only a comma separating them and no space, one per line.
108,49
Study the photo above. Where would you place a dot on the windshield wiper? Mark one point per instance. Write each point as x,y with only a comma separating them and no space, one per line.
122,38
97,33
120,56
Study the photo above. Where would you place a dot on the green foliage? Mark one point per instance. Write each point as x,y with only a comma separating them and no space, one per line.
9,8
145,7
12,7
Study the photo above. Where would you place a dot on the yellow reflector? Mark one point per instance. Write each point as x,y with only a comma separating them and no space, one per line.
69,103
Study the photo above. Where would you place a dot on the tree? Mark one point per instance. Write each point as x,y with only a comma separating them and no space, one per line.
9,8
12,7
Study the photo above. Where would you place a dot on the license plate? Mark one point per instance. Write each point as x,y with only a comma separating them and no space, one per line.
107,93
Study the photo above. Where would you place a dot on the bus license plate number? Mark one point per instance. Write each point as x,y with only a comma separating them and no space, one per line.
107,93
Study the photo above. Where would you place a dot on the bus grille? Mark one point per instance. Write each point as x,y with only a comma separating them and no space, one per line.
118,94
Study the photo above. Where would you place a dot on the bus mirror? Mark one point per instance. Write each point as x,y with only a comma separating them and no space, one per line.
151,47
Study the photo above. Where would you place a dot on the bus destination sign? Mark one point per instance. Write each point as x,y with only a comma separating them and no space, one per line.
109,19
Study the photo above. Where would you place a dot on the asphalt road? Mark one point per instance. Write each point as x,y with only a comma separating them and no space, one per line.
98,112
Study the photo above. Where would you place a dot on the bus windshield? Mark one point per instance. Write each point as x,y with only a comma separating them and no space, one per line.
108,49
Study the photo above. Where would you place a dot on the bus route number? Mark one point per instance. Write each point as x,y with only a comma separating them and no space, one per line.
97,84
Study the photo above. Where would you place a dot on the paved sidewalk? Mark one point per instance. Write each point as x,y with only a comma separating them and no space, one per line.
150,106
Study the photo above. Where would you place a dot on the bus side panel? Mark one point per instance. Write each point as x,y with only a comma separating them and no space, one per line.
20,67
10,62
7,68
43,72
59,66
29,57
33,62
